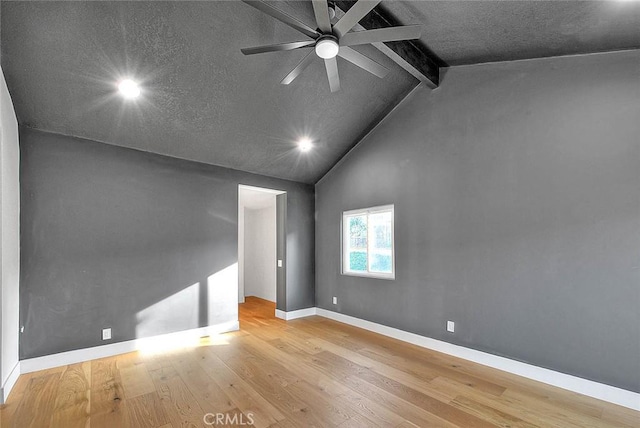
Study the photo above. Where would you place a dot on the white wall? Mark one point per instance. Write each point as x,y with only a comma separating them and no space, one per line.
240,251
10,239
260,252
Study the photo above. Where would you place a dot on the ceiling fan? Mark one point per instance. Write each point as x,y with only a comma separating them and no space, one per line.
331,40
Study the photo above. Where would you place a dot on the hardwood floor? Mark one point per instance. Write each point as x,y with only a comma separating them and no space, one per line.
301,373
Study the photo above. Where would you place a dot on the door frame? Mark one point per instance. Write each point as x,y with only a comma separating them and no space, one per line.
281,204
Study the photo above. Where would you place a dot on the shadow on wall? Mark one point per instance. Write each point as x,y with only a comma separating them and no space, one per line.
212,299
137,299
119,239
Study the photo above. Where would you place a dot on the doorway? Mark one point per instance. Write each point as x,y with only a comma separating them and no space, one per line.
260,251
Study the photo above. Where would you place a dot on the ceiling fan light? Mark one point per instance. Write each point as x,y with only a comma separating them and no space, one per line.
327,48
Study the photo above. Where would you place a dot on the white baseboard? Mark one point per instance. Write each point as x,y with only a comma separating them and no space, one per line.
590,388
155,342
593,389
9,383
300,313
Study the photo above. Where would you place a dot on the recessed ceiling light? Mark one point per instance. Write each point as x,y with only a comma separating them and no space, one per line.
129,89
305,145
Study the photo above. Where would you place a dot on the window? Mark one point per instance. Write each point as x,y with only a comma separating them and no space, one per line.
367,242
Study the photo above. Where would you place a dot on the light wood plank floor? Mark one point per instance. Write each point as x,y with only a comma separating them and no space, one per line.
302,373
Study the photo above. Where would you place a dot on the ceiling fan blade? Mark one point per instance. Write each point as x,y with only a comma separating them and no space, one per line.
331,65
299,68
362,61
278,47
353,16
283,17
321,10
390,34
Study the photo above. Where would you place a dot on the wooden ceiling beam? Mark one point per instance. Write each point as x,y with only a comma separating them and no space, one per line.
412,55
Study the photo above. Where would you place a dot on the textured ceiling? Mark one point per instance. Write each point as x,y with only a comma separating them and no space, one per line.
471,32
204,101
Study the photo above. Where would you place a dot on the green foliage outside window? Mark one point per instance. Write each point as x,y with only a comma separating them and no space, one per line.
358,261
381,263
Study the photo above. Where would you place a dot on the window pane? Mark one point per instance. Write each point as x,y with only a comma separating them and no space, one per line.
358,261
381,242
367,242
357,245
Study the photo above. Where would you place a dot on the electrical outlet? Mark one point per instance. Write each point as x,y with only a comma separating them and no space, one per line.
106,333
451,326
335,300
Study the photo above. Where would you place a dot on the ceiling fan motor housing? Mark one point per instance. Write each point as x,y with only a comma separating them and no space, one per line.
332,9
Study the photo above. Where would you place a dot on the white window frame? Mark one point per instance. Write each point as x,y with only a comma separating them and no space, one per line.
344,239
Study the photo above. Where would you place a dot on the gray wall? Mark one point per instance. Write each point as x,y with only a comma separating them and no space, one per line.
113,237
517,214
9,237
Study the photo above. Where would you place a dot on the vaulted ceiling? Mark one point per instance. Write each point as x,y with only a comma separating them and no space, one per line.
203,100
